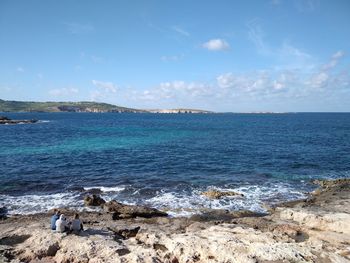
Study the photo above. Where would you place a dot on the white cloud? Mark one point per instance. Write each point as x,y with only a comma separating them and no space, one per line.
334,60
20,69
105,86
288,50
293,83
225,80
216,45
338,54
319,80
181,31
277,86
322,78
177,89
103,90
63,92
40,76
256,35
96,95
285,53
171,94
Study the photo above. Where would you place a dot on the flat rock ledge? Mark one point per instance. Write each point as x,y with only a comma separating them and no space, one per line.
313,230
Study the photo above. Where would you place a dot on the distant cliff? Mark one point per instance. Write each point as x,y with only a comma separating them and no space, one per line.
84,106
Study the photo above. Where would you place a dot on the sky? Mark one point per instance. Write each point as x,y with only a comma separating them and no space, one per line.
238,56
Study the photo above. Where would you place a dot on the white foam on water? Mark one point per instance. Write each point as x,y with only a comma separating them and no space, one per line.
174,203
29,204
255,196
106,189
270,193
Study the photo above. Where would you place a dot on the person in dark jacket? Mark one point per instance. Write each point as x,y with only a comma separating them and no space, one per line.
54,218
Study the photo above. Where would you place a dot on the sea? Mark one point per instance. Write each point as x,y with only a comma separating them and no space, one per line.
166,161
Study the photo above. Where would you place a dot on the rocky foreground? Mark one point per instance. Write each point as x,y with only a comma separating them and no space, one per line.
313,230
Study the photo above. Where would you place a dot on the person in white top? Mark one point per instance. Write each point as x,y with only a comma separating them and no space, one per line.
62,224
76,225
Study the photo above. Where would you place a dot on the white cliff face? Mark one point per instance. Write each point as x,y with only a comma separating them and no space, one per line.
307,232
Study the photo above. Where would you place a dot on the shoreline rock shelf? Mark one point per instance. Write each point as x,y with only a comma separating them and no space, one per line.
122,211
6,120
316,229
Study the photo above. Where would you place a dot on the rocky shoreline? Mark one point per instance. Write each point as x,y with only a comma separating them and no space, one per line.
316,229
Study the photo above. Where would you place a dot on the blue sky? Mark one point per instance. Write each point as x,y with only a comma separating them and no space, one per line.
273,55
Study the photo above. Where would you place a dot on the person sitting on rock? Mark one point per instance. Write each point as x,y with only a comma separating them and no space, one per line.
77,224
62,224
54,218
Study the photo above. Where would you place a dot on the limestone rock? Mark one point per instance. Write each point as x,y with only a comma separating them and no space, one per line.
332,183
131,211
215,194
223,215
93,200
337,222
125,233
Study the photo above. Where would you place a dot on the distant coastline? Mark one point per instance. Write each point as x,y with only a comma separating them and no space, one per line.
83,106
101,107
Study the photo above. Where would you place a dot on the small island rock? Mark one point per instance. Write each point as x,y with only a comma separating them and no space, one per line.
6,120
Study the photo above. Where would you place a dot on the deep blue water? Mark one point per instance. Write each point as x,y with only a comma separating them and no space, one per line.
166,160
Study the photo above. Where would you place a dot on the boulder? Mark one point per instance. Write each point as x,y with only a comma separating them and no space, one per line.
120,210
93,200
3,212
215,194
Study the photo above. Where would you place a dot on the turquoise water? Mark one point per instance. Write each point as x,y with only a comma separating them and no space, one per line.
167,160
